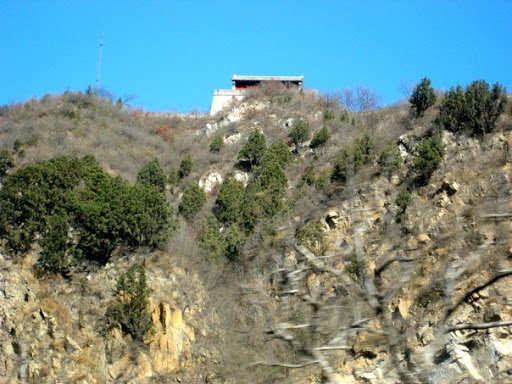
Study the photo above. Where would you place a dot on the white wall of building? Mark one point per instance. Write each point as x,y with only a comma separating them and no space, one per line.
223,98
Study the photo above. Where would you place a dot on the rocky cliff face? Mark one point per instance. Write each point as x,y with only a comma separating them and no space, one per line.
459,229
53,329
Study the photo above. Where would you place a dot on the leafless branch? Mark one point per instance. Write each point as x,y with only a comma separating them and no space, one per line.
495,324
496,215
384,266
470,293
333,348
406,88
285,365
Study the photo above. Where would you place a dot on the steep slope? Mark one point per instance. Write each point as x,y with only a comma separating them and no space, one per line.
345,281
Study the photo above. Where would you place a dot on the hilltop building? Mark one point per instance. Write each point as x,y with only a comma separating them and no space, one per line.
240,84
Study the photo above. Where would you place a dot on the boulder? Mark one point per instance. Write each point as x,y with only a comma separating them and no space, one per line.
209,182
210,129
241,176
449,186
423,238
332,219
233,139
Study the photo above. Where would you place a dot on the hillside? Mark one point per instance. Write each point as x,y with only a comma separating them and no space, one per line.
288,239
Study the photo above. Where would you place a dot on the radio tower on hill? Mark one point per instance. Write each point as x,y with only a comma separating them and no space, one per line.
98,75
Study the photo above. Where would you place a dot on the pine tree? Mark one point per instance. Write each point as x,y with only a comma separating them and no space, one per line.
483,106
229,201
390,159
210,238
6,162
299,134
253,150
233,244
423,97
340,169
185,166
429,154
320,138
152,174
192,200
475,109
129,306
216,144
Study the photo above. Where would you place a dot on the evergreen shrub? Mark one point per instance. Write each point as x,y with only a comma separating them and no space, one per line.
129,307
253,150
476,109
422,97
320,138
152,174
428,155
186,166
192,201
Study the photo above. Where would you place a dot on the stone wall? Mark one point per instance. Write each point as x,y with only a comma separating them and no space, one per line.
223,97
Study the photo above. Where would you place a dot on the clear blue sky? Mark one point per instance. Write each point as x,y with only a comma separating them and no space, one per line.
173,54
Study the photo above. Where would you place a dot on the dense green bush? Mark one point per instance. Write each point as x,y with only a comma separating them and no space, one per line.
452,110
390,159
216,144
233,244
218,245
428,155
476,109
279,152
270,174
340,167
148,217
129,307
253,150
192,201
320,138
484,105
56,245
299,134
210,238
185,166
100,215
172,178
422,97
265,191
105,212
229,201
152,174
33,194
322,179
402,201
6,161
363,150
252,208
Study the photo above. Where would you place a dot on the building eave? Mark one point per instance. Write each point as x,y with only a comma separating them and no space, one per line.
267,78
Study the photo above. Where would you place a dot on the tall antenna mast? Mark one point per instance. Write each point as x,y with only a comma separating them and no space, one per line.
98,75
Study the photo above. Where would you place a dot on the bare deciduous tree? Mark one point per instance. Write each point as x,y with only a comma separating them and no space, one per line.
326,301
405,88
358,99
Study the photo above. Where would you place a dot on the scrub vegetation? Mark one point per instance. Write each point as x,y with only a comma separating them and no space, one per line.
299,234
